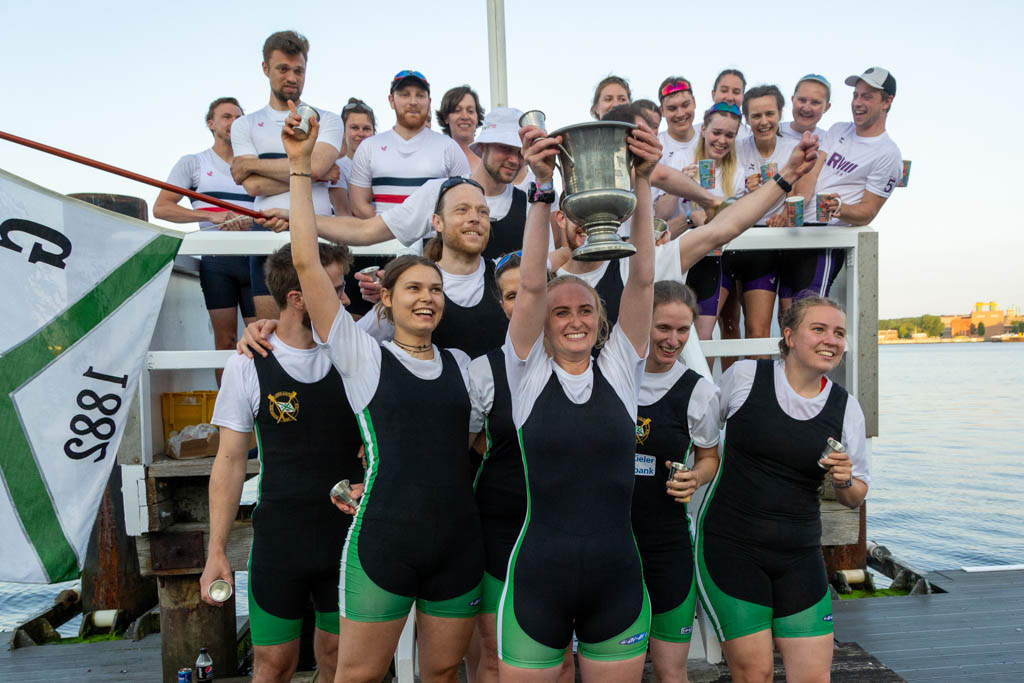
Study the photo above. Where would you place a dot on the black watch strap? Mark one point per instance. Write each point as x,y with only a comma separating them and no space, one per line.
537,195
786,187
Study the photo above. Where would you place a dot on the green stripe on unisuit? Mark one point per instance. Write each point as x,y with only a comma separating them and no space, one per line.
816,620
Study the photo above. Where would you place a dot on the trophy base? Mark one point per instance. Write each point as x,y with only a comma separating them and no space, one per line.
604,246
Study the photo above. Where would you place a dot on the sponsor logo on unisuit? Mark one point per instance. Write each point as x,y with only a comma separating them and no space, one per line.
685,630
634,639
645,465
474,603
827,617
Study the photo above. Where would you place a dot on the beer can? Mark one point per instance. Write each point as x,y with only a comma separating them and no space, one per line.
768,172
795,211
343,492
673,469
706,172
821,212
906,174
371,270
660,226
831,446
185,675
305,112
219,590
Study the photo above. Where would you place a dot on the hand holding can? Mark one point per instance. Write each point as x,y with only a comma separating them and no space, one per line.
706,172
675,468
305,113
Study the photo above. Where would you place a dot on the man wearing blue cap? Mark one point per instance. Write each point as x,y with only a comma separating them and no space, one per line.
811,99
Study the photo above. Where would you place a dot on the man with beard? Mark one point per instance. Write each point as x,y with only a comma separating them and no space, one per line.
260,165
811,99
308,440
390,165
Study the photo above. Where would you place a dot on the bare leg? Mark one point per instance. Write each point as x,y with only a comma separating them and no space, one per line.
750,658
784,304
275,663
669,660
325,648
443,643
622,671
514,674
225,331
365,649
807,660
568,674
729,320
757,314
485,637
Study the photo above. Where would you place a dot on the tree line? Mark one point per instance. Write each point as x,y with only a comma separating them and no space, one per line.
929,324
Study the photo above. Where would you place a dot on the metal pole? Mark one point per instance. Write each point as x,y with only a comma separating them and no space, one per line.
496,48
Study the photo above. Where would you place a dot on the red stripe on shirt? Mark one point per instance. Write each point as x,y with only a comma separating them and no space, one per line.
390,198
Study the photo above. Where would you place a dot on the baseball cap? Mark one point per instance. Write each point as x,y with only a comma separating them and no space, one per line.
501,125
817,78
876,77
406,76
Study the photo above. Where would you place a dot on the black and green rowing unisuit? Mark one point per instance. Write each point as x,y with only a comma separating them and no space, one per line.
474,329
308,441
416,536
660,523
500,486
759,559
575,564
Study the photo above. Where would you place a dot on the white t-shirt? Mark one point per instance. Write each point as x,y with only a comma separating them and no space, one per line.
682,160
701,411
481,392
618,361
735,387
464,290
207,173
854,164
666,266
670,146
394,167
259,135
357,356
410,221
344,165
786,131
750,161
238,401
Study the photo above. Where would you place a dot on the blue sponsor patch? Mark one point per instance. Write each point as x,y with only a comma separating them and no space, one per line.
827,617
632,640
645,465
474,603
686,630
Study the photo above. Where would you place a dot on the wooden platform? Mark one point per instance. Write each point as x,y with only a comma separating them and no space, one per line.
974,632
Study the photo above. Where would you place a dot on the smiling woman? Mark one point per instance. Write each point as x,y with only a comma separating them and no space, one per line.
760,568
411,402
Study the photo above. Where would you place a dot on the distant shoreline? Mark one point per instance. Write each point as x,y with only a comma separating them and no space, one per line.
944,340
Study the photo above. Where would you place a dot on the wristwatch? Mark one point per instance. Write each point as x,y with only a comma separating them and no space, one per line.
848,484
545,194
786,187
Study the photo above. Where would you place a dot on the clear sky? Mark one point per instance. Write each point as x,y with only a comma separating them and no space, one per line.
129,84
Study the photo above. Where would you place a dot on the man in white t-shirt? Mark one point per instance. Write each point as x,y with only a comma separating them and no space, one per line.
677,108
811,99
223,279
859,165
389,166
260,164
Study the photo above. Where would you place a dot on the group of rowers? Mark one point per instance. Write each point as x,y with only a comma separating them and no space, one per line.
519,431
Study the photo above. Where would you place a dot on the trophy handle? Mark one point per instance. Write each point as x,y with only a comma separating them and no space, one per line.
563,150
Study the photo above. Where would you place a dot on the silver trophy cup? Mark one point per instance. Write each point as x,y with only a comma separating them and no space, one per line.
595,164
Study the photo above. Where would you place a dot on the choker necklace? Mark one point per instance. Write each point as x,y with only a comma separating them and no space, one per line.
412,348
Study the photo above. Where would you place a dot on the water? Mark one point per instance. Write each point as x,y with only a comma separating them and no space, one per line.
948,468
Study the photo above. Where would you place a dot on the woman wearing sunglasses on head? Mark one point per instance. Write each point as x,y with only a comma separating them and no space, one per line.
415,539
359,124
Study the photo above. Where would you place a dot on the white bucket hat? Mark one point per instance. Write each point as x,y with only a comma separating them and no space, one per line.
501,125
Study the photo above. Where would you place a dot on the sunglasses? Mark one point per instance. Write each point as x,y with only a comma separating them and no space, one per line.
406,73
449,184
673,87
724,107
505,258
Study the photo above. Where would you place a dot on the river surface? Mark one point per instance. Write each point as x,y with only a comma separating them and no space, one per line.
947,486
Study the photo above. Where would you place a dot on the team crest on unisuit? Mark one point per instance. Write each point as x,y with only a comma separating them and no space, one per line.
643,429
284,406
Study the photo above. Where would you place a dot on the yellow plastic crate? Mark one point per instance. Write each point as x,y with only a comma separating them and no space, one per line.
181,409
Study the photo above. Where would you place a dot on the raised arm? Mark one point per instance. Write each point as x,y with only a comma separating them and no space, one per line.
732,222
637,300
527,323
318,291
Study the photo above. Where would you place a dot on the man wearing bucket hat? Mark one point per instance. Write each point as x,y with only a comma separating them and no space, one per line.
858,168
811,98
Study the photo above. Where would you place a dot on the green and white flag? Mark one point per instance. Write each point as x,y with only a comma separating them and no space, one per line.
82,289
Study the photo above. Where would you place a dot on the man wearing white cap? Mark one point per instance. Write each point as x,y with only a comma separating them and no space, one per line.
859,165
811,99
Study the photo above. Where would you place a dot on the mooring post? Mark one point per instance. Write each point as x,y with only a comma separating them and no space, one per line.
187,624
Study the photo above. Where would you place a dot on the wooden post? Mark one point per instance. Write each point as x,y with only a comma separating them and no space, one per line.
851,556
187,624
110,576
